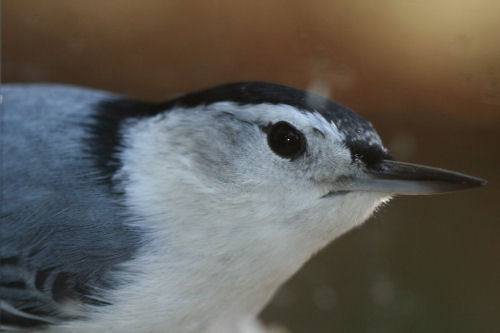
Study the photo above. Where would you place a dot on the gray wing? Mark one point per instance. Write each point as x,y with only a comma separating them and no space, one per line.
62,230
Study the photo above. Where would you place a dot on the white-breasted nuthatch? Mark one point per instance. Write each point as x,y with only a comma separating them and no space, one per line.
186,216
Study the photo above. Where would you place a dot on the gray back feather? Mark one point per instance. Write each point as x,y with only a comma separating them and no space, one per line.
62,231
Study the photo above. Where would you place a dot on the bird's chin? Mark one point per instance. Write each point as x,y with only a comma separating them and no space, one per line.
355,200
344,211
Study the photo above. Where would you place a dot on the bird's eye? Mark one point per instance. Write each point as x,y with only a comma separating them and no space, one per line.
285,140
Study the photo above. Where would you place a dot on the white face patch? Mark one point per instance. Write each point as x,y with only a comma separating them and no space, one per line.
221,150
219,204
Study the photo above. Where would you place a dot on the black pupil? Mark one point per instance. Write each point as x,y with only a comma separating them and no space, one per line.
285,140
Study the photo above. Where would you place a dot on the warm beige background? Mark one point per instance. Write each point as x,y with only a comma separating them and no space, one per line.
425,72
442,55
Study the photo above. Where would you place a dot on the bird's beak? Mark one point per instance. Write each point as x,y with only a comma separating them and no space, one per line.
395,177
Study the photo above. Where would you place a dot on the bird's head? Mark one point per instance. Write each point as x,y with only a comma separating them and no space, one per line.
259,153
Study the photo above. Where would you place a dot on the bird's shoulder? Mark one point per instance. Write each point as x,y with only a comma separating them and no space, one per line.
63,232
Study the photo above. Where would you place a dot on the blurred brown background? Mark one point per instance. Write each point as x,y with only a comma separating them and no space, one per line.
426,73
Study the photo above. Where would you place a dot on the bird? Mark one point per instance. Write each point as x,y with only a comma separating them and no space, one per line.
121,215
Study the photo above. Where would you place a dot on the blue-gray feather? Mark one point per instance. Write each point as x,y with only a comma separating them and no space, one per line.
62,232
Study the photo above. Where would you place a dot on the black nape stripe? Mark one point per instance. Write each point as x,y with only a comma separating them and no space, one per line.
104,139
